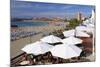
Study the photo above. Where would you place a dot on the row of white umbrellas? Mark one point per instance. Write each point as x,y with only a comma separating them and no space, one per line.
55,39
79,31
68,48
62,50
65,50
85,29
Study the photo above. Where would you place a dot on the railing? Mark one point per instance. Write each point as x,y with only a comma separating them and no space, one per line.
18,59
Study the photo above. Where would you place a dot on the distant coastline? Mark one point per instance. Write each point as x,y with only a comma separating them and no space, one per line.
42,19
35,22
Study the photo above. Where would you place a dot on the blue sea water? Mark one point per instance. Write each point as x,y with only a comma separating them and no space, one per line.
29,23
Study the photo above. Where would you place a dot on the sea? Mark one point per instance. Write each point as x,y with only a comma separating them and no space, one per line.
29,23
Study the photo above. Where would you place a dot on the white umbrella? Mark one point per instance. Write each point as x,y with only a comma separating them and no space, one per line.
65,51
69,33
72,40
37,48
90,25
51,39
81,34
84,29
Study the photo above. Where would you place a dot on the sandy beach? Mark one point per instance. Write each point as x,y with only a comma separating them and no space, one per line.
20,43
43,28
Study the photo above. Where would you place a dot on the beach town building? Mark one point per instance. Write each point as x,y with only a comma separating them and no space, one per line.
79,16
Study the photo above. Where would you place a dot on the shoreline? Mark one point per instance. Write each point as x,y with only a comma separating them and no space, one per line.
37,21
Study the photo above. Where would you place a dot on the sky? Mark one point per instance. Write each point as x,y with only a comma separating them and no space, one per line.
23,9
